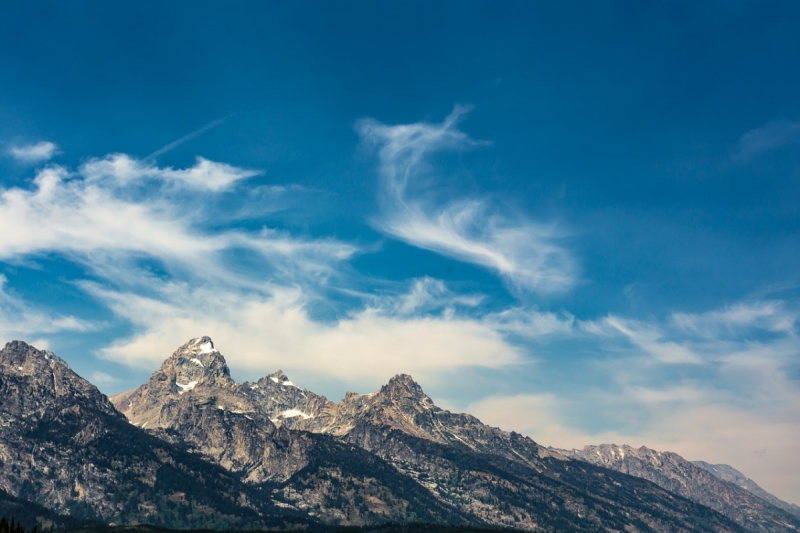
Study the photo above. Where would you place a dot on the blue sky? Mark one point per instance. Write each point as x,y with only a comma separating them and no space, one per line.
578,222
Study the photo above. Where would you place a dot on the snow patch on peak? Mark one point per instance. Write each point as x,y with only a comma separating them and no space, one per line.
207,347
291,413
281,379
197,361
185,387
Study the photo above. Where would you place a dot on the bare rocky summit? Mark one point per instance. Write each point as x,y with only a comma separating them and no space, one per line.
193,448
389,455
191,400
676,474
65,447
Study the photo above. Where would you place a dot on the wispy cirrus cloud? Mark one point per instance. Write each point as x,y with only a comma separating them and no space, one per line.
114,211
186,138
34,153
527,254
719,385
121,170
651,340
256,292
18,320
764,139
769,315
697,338
427,294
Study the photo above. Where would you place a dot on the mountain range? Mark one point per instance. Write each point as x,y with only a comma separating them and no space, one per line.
192,448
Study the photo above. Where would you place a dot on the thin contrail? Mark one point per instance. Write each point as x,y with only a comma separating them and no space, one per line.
186,138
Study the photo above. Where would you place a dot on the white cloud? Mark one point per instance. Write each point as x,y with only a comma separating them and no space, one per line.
34,153
531,323
771,136
650,340
736,402
18,321
101,217
204,175
101,379
427,294
527,254
766,315
116,215
263,332
539,416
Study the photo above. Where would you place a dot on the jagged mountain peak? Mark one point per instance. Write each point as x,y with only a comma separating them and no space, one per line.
614,448
198,347
278,378
403,386
249,429
195,362
620,451
611,454
46,377
18,353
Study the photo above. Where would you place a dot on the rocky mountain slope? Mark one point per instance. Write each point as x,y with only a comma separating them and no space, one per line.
64,446
31,515
191,400
677,475
391,454
728,473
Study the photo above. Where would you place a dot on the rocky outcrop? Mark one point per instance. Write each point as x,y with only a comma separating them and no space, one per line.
676,474
64,446
289,405
390,455
247,429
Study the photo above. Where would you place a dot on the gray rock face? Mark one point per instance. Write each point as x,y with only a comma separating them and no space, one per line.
64,446
392,454
193,400
246,428
676,474
288,404
730,474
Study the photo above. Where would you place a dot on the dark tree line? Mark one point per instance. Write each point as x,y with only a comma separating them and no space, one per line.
11,526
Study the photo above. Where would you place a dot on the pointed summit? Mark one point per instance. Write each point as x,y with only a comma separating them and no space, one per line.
196,373
196,361
198,346
403,386
278,374
18,354
278,378
29,377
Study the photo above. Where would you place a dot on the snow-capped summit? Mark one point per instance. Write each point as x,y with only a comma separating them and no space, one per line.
268,430
195,369
281,379
197,361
